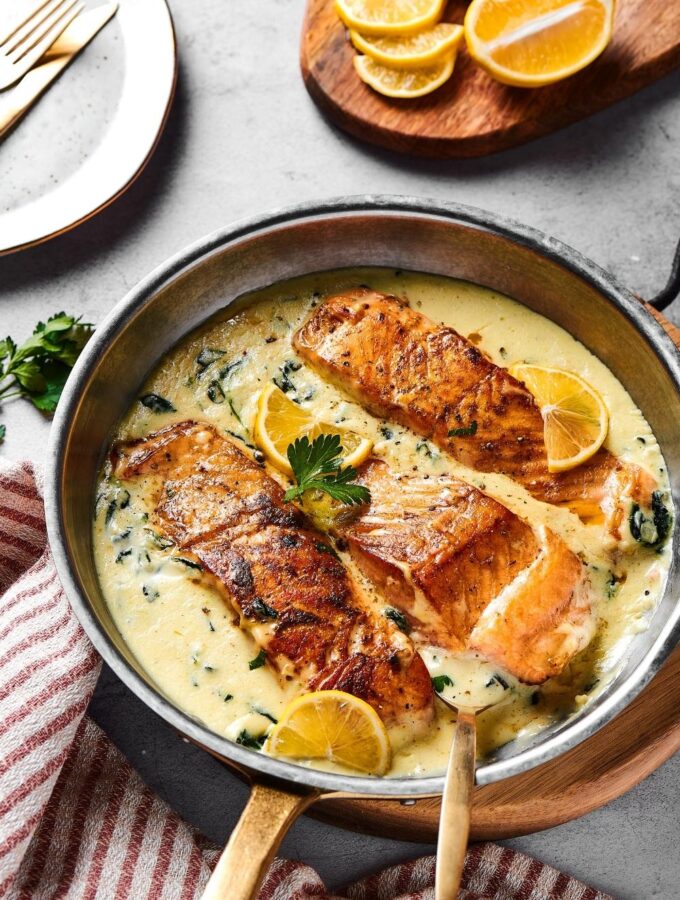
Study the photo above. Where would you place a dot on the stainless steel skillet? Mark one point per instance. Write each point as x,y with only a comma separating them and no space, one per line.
405,233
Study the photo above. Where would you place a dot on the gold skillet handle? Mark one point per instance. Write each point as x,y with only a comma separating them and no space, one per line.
268,815
454,820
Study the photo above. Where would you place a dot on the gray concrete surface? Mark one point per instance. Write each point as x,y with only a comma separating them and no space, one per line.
244,137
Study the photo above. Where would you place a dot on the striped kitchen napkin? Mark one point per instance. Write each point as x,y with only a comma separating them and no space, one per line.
77,822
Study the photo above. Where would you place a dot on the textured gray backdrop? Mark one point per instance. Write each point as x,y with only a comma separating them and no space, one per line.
244,137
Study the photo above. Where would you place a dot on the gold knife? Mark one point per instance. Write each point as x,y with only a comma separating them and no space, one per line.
78,35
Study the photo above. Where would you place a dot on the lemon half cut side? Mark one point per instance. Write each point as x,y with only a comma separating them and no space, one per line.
533,43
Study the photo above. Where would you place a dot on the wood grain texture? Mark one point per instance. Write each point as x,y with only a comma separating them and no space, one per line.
473,115
604,767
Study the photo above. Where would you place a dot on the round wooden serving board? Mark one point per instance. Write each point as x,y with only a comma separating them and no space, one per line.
608,764
472,115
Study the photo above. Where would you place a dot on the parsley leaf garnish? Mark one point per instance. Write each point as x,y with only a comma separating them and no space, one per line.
439,682
317,467
467,431
38,369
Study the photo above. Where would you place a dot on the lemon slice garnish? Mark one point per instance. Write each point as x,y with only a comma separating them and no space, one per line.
279,422
404,83
531,43
412,51
389,16
575,418
334,726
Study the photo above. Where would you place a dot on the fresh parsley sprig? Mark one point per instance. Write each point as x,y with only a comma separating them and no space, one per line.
38,369
317,467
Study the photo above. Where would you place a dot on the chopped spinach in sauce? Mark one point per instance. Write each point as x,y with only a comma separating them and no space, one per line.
499,680
189,563
156,403
253,742
207,357
399,619
651,530
258,662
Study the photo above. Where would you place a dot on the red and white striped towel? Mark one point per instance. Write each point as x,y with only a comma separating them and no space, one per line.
77,822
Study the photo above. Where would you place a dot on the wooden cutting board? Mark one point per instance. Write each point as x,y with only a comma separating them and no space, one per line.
472,114
608,764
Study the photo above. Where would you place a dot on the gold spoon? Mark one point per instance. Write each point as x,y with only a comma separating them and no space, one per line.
454,818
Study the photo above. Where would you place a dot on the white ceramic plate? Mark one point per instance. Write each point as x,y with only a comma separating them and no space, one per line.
91,134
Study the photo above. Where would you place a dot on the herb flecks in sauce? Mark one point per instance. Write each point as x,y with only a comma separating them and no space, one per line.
465,430
283,379
262,610
207,357
156,403
258,662
189,563
216,392
439,682
651,530
399,619
253,742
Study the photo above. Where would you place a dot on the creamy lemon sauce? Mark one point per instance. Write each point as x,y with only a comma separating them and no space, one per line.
187,637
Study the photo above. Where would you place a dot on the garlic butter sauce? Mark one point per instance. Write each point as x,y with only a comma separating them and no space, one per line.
187,638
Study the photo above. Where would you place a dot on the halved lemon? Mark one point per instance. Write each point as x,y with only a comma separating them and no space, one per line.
411,51
334,726
389,16
575,418
531,43
279,422
404,83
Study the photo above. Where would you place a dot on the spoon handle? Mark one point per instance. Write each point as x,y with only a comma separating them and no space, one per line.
454,820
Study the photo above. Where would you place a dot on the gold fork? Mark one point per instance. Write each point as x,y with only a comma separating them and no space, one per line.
32,37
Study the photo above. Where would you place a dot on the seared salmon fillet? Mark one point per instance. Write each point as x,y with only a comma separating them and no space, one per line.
401,365
290,590
470,574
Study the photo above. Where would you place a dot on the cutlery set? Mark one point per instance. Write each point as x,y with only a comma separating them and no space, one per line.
35,50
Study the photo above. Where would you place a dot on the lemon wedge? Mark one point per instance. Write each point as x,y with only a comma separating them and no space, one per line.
411,51
404,83
389,16
334,726
575,418
531,43
279,422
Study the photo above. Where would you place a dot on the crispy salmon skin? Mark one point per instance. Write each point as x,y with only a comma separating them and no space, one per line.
471,575
291,592
401,365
